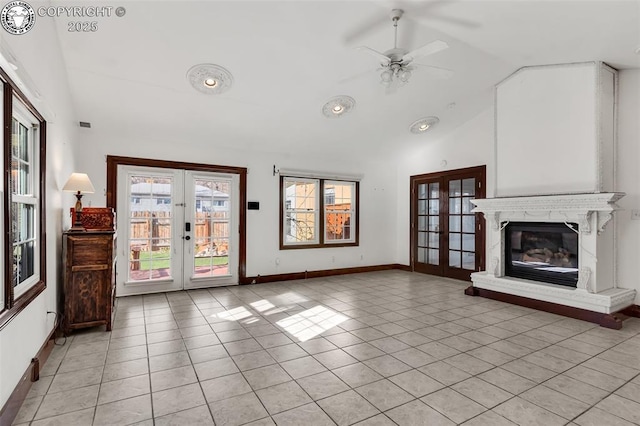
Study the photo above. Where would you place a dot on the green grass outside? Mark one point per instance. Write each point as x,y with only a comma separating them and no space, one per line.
160,260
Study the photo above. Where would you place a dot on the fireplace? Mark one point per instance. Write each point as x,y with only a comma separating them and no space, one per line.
553,248
544,252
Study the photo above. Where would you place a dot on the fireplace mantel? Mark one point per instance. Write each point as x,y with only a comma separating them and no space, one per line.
551,208
597,289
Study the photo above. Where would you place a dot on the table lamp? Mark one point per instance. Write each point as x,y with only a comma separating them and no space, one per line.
78,183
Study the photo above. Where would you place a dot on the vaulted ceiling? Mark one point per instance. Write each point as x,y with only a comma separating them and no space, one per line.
289,57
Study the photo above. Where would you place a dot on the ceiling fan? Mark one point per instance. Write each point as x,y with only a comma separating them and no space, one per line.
397,63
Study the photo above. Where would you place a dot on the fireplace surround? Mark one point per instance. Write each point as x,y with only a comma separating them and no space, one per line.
596,288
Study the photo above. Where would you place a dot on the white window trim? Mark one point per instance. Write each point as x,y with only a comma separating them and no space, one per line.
24,117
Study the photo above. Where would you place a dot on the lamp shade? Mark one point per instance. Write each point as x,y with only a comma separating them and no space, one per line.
79,182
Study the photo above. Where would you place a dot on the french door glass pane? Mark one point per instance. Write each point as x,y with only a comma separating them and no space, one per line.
211,229
150,229
434,190
466,204
434,256
422,223
434,207
469,187
454,258
434,240
422,255
468,223
454,223
422,207
454,205
434,223
422,239
455,188
469,261
468,242
454,241
422,191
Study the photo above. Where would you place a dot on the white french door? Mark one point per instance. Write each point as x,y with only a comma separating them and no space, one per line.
177,229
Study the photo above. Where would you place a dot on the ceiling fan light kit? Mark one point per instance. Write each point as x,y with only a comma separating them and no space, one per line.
338,106
210,79
423,124
397,64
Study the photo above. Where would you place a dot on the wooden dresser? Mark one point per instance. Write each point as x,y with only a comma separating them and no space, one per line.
89,276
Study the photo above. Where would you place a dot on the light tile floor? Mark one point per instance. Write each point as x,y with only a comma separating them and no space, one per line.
371,349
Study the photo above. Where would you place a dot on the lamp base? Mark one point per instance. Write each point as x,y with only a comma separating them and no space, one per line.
77,229
77,224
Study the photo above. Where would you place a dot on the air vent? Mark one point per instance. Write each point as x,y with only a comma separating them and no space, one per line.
85,124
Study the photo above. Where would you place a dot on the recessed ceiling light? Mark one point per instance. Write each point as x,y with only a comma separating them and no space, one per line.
210,78
423,124
338,106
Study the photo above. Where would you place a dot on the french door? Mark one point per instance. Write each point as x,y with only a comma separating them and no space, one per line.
177,229
447,239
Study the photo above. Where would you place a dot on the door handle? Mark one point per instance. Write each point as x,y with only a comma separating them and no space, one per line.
187,237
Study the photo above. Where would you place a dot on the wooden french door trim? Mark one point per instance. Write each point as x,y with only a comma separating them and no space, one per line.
442,176
112,191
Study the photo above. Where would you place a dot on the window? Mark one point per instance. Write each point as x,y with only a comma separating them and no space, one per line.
338,211
23,250
318,213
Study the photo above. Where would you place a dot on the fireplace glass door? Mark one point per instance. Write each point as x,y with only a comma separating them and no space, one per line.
540,251
447,238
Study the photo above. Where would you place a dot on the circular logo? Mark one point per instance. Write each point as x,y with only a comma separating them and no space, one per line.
17,17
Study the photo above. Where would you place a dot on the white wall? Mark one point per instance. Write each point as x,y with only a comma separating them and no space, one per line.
377,195
545,122
39,53
628,180
468,146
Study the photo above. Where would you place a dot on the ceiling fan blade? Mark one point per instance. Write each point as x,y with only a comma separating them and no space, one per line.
451,20
434,71
427,49
382,57
356,76
371,25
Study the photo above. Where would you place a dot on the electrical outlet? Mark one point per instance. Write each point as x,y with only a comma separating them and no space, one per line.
277,260
635,214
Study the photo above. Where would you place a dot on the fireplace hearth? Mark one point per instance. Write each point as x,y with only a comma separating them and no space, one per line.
544,252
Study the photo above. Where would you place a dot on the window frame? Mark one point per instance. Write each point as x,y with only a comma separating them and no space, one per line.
15,103
31,197
351,212
320,228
